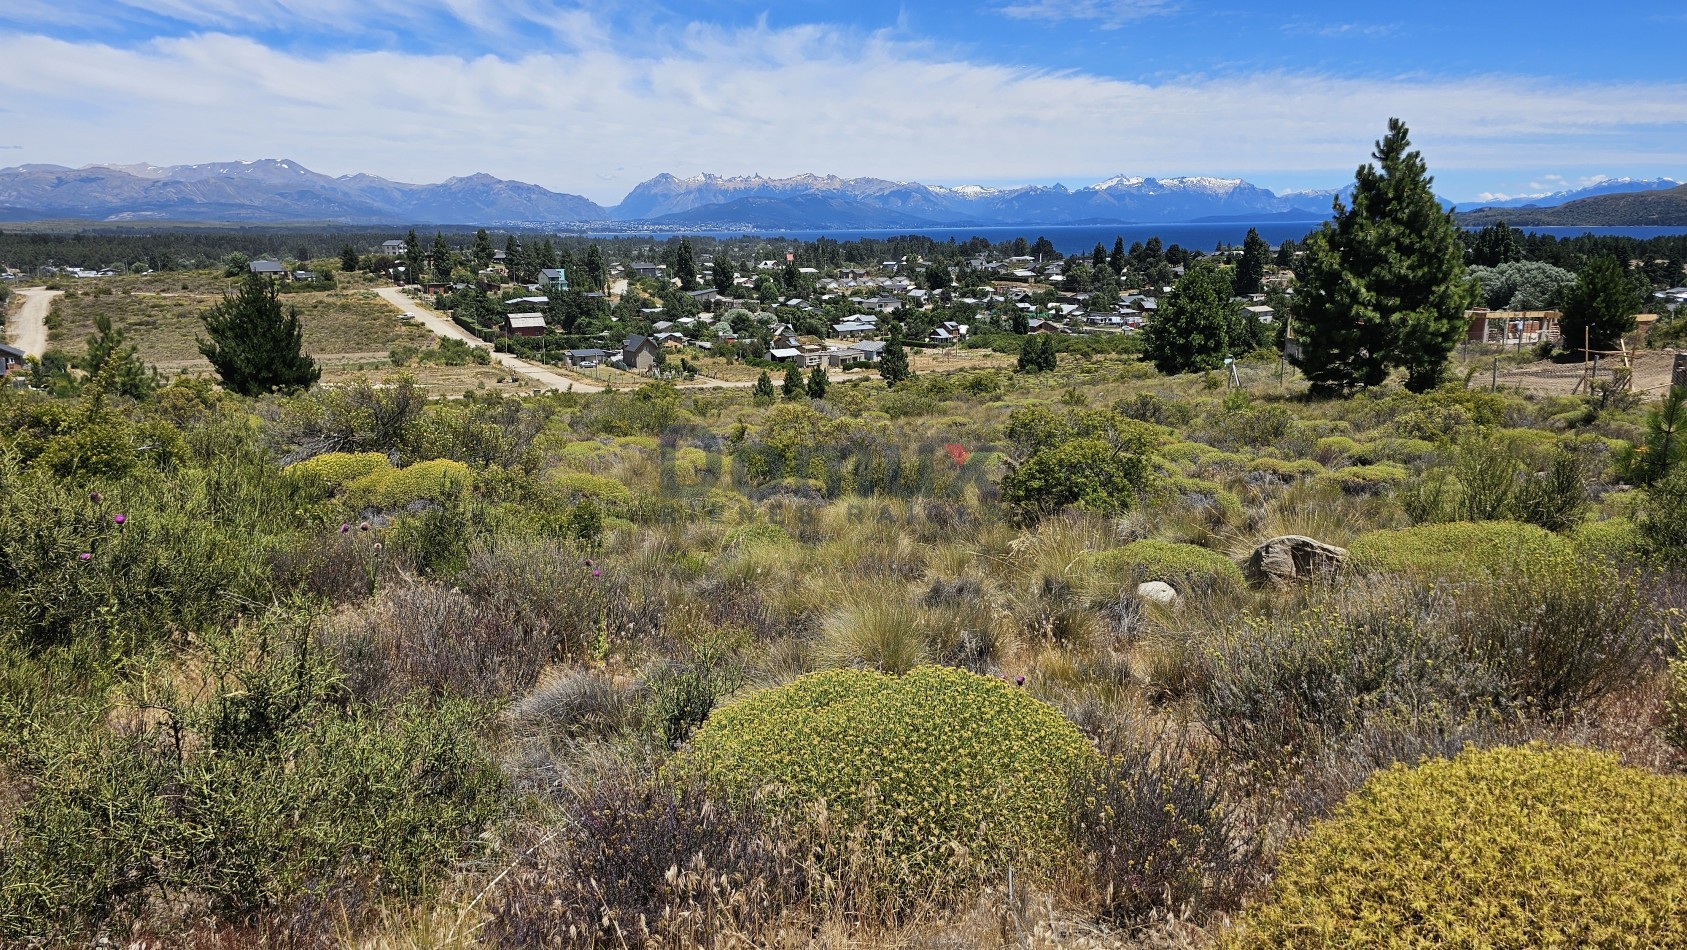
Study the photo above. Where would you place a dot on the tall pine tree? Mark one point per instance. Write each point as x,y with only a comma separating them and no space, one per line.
1197,325
1250,270
685,265
257,347
1599,308
893,362
1383,285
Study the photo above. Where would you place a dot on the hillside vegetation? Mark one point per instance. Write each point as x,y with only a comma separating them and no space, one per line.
354,664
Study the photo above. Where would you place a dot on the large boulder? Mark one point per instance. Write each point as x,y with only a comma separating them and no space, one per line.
1291,559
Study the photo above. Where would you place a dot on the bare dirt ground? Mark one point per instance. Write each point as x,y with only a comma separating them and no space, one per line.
27,328
1652,370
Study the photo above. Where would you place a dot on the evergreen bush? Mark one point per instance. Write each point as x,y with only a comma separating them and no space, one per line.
1453,548
957,776
1519,847
1187,567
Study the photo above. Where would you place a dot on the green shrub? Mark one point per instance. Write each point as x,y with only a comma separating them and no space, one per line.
1502,848
1664,523
435,480
1365,479
1454,548
957,776
337,469
1187,567
1283,470
1274,689
1085,473
1616,539
580,485
1332,448
1198,494
264,797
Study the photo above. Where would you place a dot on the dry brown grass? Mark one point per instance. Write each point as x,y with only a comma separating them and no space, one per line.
164,325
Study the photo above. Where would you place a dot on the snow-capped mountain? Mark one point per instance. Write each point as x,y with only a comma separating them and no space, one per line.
1120,199
1610,186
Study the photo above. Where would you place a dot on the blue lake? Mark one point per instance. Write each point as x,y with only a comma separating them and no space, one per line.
1081,239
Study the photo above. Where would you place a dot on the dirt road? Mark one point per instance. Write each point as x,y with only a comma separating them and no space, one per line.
27,329
442,326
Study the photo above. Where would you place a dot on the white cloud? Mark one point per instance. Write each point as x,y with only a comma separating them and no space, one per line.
1341,30
598,118
1111,14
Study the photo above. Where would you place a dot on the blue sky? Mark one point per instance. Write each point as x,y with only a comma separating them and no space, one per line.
1504,98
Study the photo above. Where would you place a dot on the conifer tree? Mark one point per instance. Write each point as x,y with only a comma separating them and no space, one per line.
117,360
893,362
596,273
441,258
763,390
1250,270
412,258
793,387
1197,326
348,259
482,249
1383,285
1599,308
1117,258
255,346
818,383
685,265
724,274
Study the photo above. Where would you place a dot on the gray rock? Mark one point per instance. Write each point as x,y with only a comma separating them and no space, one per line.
1158,592
1291,559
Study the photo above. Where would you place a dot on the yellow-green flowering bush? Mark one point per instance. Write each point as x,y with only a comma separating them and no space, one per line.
1456,547
1187,567
1500,848
1613,538
580,485
394,488
334,469
923,765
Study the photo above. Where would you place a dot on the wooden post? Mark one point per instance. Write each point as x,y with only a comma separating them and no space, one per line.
1495,385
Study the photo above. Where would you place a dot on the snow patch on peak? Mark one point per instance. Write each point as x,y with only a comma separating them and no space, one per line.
1117,181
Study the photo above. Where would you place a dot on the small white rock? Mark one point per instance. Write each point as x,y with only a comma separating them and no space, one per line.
1159,592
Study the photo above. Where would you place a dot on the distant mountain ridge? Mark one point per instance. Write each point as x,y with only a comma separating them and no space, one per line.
756,201
1610,186
1651,208
274,191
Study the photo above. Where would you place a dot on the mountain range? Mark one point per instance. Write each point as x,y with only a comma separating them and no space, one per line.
1657,207
282,191
1610,186
272,191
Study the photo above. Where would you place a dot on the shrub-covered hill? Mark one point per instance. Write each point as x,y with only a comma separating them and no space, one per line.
360,665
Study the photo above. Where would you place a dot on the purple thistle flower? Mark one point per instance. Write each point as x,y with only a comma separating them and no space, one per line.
597,573
1019,681
119,518
85,556
344,527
